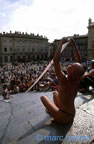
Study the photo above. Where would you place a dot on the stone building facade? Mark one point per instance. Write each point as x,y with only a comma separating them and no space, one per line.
22,47
90,39
68,53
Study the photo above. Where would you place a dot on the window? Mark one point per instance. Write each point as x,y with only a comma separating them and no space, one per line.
18,48
11,58
92,44
0,59
10,49
5,49
5,41
6,58
29,57
23,49
28,49
10,41
18,58
33,50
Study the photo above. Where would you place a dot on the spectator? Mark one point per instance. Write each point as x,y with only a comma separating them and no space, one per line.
87,80
5,92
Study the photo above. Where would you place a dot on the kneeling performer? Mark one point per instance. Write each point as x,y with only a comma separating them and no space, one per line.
63,111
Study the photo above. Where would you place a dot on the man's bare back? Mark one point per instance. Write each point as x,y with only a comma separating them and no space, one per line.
66,95
63,111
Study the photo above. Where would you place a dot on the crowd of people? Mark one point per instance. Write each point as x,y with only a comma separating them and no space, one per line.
18,78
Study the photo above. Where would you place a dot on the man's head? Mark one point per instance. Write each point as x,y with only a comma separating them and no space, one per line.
75,71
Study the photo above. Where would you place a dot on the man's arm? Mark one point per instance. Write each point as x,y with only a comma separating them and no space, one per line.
76,51
58,71
90,74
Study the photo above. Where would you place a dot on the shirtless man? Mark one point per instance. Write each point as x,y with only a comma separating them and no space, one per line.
63,111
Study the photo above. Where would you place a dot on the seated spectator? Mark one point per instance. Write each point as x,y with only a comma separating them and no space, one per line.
44,86
16,89
5,92
54,82
49,83
87,80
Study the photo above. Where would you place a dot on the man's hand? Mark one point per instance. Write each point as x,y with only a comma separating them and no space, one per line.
76,51
58,50
63,40
72,42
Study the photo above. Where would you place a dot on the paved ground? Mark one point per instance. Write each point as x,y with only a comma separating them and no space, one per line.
24,121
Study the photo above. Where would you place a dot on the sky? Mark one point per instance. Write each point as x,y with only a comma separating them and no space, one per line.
51,18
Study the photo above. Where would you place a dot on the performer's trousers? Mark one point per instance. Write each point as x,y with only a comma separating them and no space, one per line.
86,82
